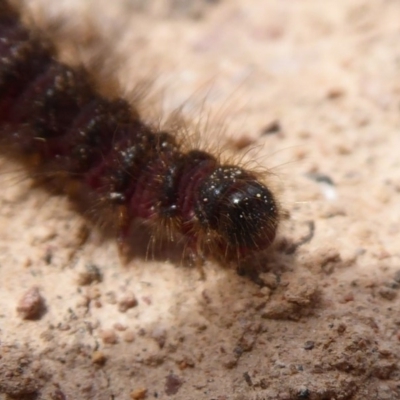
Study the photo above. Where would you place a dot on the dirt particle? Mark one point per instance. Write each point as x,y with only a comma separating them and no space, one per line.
242,142
63,326
247,378
247,341
335,93
142,332
303,393
396,276
186,362
303,292
230,361
270,280
160,336
206,296
280,310
108,336
341,328
138,394
154,360
99,358
127,302
91,274
172,384
347,297
263,383
343,149
387,293
385,352
328,260
274,127
119,327
32,305
309,345
48,256
265,292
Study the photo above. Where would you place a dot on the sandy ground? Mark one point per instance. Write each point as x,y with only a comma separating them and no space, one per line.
315,87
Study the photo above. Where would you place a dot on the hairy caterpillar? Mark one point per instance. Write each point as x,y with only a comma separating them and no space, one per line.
52,119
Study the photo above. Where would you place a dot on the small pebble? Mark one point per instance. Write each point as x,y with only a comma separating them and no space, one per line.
31,304
242,142
273,127
127,302
90,275
341,328
139,394
335,93
309,345
186,362
109,336
347,298
160,336
172,384
119,327
99,358
387,293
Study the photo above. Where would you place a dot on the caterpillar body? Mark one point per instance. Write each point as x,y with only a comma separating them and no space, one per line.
52,118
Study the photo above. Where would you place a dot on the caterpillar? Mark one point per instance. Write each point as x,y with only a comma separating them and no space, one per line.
53,121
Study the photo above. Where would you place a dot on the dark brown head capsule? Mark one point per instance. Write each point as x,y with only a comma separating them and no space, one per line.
239,209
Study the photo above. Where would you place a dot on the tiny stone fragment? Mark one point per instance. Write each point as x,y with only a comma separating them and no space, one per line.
270,280
90,275
172,384
139,394
387,293
119,327
230,361
186,362
31,304
109,336
396,276
335,93
160,336
273,127
309,345
127,302
242,142
98,357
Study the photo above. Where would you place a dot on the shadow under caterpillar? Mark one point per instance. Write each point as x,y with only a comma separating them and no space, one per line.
52,119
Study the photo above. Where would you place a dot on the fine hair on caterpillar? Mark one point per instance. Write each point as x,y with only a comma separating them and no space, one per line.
101,152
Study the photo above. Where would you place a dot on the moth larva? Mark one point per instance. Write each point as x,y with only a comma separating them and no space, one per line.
50,113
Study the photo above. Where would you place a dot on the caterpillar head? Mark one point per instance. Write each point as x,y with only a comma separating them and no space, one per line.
238,209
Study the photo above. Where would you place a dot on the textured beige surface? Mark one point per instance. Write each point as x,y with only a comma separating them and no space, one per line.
326,323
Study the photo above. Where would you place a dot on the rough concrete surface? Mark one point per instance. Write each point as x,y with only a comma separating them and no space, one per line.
314,87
